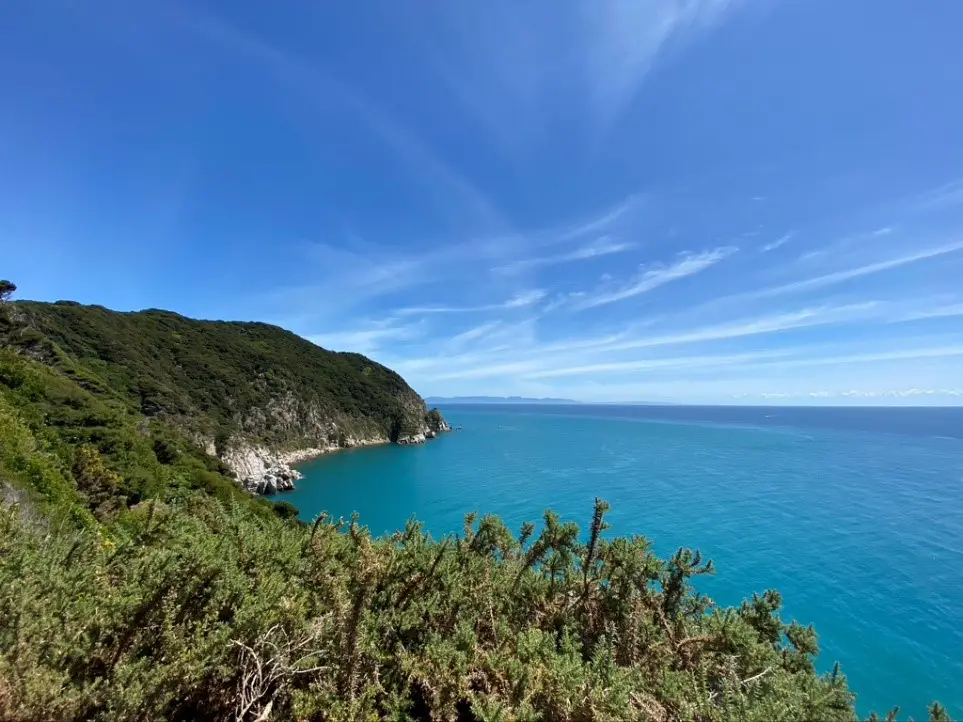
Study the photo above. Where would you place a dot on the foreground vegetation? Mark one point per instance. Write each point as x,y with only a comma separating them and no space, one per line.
195,610
137,582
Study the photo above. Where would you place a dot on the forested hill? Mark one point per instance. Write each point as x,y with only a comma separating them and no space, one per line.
224,381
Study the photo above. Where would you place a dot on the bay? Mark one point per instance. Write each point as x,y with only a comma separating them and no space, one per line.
855,515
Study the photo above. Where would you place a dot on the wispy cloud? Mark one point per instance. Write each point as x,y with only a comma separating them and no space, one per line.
688,264
367,340
869,269
548,366
949,311
771,359
861,394
626,37
778,243
522,299
319,89
527,298
598,224
908,354
366,271
774,323
604,246
677,363
475,333
507,63
583,356
939,198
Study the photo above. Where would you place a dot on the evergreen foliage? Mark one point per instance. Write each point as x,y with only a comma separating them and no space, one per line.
436,421
197,610
220,379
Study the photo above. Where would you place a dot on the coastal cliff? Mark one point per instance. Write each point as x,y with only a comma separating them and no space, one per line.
255,397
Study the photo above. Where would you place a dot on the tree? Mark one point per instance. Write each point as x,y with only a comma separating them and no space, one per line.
7,289
436,421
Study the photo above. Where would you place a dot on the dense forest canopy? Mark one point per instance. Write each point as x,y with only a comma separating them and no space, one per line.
226,378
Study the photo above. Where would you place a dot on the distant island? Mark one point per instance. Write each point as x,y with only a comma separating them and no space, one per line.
495,400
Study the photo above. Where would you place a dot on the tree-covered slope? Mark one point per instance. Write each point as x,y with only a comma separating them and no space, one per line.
224,379
72,447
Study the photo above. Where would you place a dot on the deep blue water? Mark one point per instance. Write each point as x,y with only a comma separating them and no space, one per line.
855,515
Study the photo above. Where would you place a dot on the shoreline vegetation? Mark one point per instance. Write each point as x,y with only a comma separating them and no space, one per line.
138,580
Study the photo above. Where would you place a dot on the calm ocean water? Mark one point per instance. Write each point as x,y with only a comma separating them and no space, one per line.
855,515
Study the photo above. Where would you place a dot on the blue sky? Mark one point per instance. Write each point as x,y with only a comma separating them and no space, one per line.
752,201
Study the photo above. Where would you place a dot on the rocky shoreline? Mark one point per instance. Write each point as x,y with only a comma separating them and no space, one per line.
264,471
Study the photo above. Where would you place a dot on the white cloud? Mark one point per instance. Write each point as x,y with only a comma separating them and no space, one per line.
950,311
599,224
687,265
626,37
508,63
940,198
577,351
908,354
476,332
685,362
861,394
367,340
792,320
526,360
604,246
830,279
546,366
522,299
527,298
778,243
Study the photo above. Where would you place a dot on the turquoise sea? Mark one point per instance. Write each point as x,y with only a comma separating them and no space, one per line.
855,515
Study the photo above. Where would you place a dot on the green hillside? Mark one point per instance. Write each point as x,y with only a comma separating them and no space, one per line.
138,582
220,379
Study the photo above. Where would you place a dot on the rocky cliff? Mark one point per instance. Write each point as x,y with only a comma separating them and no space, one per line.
253,395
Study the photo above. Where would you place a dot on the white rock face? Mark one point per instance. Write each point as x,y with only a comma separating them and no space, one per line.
261,470
412,439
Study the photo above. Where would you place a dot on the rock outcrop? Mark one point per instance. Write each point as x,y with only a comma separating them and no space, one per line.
261,470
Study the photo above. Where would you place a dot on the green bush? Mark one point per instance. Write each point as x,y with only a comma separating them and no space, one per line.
200,610
285,510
